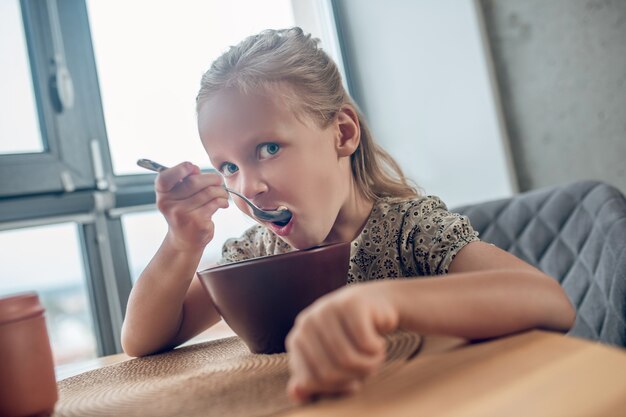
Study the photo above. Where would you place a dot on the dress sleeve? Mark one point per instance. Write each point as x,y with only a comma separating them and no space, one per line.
434,236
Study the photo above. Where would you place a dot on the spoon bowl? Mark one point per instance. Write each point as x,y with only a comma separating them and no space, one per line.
280,216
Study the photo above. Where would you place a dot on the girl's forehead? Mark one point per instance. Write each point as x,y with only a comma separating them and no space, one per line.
231,110
233,114
232,123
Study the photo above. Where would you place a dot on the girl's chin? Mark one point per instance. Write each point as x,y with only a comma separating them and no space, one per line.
300,244
292,236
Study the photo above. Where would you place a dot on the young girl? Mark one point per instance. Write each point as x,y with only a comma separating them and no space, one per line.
276,121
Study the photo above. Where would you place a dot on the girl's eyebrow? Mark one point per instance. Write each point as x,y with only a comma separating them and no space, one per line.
217,161
264,137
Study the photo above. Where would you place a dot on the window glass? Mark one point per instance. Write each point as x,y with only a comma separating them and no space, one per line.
47,260
19,122
145,231
149,77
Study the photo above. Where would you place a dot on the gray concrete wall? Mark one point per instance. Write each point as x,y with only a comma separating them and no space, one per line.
561,69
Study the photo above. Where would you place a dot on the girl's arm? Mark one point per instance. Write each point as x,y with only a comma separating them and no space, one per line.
338,341
487,293
167,305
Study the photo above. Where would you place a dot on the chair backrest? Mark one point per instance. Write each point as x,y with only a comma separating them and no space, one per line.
575,233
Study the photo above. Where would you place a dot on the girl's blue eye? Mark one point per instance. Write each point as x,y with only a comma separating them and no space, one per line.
268,149
227,169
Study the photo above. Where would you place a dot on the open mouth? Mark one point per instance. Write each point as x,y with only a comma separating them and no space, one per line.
282,223
283,226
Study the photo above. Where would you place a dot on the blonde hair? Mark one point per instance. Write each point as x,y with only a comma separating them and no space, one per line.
288,57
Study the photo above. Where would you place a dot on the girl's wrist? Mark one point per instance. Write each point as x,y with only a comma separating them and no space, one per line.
180,247
401,299
389,293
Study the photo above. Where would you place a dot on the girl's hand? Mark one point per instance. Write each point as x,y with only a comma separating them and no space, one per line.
338,341
188,199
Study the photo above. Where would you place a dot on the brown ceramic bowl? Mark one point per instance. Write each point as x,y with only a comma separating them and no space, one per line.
260,298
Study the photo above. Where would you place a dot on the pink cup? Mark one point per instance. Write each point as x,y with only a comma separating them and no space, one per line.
27,381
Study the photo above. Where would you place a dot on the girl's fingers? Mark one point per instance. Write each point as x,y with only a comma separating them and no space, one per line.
304,386
203,196
171,177
323,359
183,216
338,342
184,180
323,368
344,355
301,383
208,210
363,335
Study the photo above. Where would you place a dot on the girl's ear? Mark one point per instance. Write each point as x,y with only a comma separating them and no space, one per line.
348,131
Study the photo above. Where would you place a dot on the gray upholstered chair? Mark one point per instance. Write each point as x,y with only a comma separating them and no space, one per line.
575,233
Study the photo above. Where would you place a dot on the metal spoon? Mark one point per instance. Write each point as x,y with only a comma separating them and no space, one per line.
281,216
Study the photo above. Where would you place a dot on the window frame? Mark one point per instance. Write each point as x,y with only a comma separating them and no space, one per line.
65,164
72,180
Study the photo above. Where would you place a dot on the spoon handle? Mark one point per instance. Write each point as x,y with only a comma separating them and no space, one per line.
151,165
156,167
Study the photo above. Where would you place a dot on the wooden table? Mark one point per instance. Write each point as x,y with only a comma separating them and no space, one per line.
534,373
531,374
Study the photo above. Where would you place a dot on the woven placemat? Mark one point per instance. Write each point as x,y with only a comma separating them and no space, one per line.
215,378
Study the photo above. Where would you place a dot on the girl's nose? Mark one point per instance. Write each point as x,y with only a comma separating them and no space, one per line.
251,185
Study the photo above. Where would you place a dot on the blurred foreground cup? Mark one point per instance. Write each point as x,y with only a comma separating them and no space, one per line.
27,381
